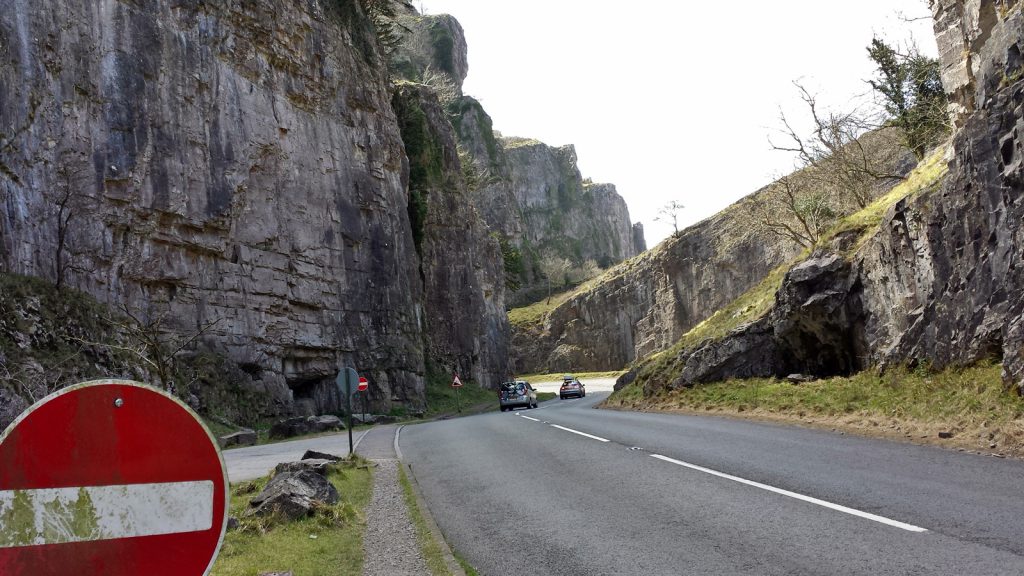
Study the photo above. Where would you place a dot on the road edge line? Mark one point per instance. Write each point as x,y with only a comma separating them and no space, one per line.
454,568
360,439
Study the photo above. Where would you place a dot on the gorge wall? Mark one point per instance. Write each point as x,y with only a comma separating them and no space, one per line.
646,304
260,175
941,281
238,166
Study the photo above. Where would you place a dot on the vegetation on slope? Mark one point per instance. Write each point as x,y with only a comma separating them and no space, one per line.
970,405
54,337
666,366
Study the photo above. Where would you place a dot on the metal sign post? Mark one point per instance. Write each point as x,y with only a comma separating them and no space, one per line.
364,384
348,383
456,383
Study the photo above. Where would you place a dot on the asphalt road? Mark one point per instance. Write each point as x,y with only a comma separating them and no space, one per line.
658,494
257,461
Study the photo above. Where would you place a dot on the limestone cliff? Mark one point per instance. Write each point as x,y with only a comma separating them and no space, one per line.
646,304
940,281
530,194
461,263
237,167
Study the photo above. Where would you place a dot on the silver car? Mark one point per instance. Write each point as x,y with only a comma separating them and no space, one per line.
516,393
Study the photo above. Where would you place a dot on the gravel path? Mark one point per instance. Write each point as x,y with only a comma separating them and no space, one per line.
390,546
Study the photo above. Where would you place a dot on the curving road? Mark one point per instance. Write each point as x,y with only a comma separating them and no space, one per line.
567,489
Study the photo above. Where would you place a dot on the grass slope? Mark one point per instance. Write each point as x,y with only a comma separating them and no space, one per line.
330,543
664,367
972,404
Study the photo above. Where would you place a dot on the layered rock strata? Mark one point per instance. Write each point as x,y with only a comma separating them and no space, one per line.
235,170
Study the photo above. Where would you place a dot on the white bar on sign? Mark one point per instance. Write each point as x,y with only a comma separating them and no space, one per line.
90,513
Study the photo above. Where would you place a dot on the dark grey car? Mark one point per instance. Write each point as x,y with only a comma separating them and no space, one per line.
516,394
571,386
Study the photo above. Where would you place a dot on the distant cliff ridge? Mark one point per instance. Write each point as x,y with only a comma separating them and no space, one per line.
530,194
646,304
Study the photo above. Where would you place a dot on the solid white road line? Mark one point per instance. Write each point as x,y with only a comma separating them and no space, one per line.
598,438
527,417
355,446
90,513
837,507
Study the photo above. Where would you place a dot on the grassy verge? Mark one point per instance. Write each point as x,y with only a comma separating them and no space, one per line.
441,398
545,396
431,549
326,544
970,404
557,376
469,570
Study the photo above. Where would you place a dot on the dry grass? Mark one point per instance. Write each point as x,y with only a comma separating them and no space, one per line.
972,404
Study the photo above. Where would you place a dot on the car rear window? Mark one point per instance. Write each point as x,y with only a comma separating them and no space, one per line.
517,387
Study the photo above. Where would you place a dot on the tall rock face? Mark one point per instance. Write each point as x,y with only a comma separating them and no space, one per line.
560,213
431,45
941,281
646,304
461,263
236,169
530,194
960,254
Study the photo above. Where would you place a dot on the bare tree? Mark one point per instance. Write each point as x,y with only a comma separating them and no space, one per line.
585,271
793,208
841,167
67,203
836,148
554,268
152,342
670,213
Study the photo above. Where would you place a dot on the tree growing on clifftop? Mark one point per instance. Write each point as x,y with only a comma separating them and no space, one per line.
910,86
670,213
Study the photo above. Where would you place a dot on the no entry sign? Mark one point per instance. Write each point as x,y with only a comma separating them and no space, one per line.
110,477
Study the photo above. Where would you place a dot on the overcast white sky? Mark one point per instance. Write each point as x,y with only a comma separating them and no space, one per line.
671,99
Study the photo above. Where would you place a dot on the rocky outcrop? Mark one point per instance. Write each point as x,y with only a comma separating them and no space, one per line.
811,329
639,241
941,282
434,42
646,304
293,494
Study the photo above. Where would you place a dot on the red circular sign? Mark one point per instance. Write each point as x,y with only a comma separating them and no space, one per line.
110,477
363,384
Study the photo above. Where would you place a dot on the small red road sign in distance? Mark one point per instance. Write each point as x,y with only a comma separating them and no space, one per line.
456,383
363,384
110,478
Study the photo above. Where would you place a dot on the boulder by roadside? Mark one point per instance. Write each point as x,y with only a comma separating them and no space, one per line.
293,494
